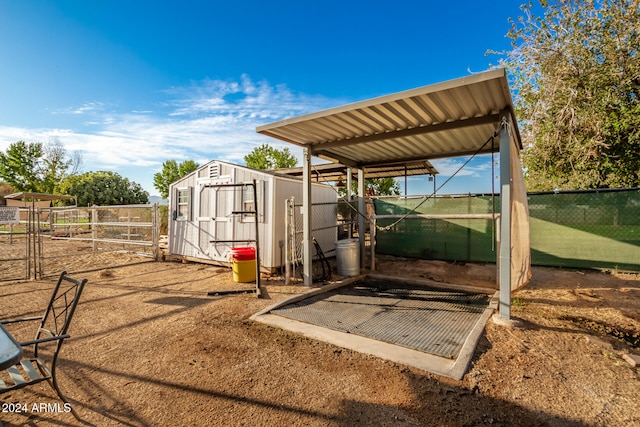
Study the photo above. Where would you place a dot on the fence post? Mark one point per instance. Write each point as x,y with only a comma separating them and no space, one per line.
287,234
155,231
372,236
94,231
307,221
361,215
505,217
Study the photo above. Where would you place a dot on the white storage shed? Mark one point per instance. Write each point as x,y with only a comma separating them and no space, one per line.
207,213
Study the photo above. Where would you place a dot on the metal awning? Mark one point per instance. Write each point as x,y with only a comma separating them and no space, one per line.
332,172
466,116
448,119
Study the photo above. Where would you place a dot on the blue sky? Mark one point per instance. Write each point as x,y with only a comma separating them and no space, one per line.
130,84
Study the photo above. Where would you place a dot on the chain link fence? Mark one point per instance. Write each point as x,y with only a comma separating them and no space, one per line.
451,239
572,229
586,229
330,222
131,228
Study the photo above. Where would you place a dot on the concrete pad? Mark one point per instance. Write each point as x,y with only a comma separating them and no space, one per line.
453,368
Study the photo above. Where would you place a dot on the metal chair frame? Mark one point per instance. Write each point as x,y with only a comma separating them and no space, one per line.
53,327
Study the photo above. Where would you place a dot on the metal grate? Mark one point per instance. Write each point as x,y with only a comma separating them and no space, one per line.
424,319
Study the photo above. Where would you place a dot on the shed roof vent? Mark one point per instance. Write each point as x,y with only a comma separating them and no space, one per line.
214,171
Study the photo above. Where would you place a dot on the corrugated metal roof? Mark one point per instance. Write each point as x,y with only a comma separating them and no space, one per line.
448,119
332,172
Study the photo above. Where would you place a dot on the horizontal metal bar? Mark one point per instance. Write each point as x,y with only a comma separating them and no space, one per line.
323,204
113,207
439,216
128,242
247,184
420,130
122,224
326,228
56,338
233,241
25,319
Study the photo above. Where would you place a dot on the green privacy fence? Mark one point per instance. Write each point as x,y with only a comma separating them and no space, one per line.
575,229
446,239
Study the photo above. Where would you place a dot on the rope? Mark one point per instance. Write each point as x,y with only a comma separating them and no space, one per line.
403,217
425,198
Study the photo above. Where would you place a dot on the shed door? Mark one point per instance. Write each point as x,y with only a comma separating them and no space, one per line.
215,220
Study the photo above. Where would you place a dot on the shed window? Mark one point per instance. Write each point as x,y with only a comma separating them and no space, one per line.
183,205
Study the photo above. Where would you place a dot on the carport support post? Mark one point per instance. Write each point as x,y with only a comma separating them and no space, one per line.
306,217
505,216
349,197
362,211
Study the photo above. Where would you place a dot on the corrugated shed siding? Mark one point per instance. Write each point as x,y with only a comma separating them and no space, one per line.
287,188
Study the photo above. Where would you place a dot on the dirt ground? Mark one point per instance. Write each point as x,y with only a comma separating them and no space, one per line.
149,347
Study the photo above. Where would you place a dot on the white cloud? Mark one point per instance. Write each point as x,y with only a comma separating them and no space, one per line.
477,167
86,108
212,119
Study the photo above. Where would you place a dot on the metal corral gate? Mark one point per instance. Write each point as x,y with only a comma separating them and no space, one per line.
16,247
132,229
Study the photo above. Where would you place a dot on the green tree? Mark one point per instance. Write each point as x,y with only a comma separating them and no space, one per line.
268,158
575,72
171,172
36,166
104,188
56,165
378,186
19,166
382,186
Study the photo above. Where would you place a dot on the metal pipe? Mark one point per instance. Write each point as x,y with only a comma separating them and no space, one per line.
505,215
287,267
307,241
257,241
361,217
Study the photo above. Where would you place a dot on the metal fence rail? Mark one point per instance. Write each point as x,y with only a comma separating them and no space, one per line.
129,225
48,240
16,248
